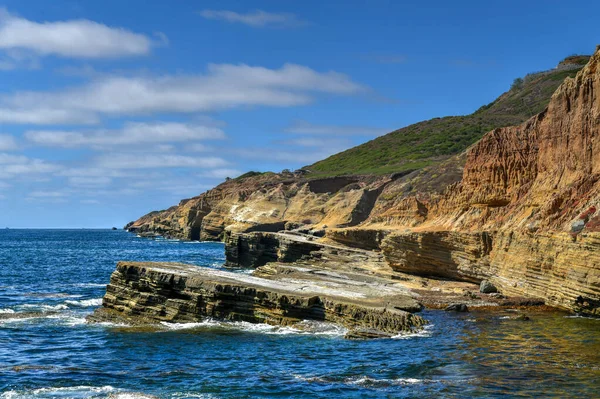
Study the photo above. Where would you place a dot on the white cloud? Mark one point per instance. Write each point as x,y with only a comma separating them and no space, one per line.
304,127
257,19
74,38
289,158
222,87
197,147
95,172
146,161
7,143
89,202
80,181
221,173
14,165
131,134
45,116
47,194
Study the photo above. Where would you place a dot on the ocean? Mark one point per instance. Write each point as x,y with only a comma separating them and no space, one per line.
51,279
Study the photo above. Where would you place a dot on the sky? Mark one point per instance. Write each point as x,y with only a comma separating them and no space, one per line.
111,109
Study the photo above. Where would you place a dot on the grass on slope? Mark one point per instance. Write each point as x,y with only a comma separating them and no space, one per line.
429,142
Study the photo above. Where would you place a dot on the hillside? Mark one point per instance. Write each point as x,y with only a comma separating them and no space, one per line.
430,142
519,208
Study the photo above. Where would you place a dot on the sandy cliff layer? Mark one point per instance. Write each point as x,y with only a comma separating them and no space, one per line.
521,207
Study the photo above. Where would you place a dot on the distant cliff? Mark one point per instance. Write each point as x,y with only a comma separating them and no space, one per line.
519,207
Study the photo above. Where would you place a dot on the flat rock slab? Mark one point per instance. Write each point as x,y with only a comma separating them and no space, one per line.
147,293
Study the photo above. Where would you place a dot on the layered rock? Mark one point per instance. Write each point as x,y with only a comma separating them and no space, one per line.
142,293
520,208
267,202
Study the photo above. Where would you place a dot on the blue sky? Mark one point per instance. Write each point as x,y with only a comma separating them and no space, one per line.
111,109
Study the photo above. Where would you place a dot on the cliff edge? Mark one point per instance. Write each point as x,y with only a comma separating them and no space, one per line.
519,208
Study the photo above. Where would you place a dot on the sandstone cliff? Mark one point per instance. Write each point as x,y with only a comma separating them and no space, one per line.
519,207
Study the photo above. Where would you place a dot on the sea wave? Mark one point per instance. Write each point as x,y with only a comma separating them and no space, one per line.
76,392
363,381
66,319
426,332
306,327
43,307
89,285
85,303
5,311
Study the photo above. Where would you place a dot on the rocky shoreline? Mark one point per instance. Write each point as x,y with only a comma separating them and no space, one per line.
294,278
520,210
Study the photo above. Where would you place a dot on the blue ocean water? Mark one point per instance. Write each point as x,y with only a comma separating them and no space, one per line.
56,354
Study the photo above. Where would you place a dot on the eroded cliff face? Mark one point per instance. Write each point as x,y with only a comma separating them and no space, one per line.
267,203
521,207
534,191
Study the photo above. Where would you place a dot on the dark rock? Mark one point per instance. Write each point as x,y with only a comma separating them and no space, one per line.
522,317
487,288
457,307
366,333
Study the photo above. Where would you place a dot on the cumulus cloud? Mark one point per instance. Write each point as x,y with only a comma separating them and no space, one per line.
257,19
7,143
131,134
147,161
74,38
46,116
307,128
15,165
223,86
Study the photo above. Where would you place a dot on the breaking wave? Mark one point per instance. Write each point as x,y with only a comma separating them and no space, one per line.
306,327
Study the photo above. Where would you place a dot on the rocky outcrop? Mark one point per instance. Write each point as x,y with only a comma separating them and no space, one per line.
463,256
254,202
562,270
146,293
520,208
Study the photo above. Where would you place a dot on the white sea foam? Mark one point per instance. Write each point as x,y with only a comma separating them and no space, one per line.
85,302
76,392
61,318
43,307
364,381
375,382
189,395
68,320
130,395
577,316
426,332
5,311
306,327
111,324
89,285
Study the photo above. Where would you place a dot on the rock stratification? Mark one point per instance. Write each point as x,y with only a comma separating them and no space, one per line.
520,208
168,292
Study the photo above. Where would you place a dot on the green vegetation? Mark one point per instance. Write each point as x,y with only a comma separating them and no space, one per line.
430,142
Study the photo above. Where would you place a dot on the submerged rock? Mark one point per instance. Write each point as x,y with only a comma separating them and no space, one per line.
457,307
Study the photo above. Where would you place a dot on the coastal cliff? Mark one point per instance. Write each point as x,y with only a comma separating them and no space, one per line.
519,208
